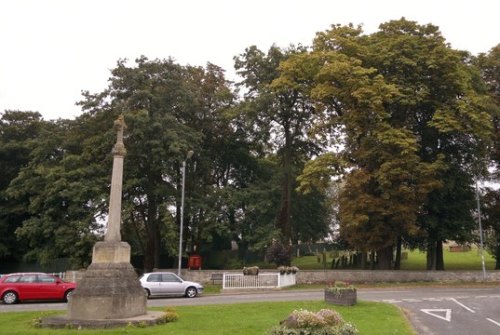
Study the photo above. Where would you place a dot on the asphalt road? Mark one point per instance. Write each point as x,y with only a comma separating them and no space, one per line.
432,311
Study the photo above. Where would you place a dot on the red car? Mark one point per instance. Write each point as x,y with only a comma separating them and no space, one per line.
17,287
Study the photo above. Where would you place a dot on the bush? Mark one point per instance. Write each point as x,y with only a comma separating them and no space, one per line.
288,269
304,322
278,254
170,315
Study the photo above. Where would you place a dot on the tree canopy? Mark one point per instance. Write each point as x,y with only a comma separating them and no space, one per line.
380,136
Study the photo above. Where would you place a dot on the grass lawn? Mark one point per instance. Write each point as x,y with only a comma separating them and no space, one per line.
464,260
468,260
245,319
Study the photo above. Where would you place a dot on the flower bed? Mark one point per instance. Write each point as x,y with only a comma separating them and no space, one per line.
341,293
324,322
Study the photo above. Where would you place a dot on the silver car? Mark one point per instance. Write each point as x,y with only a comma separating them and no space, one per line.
168,283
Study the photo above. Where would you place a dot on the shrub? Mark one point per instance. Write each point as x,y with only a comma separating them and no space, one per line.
170,315
331,317
288,269
251,271
278,254
304,322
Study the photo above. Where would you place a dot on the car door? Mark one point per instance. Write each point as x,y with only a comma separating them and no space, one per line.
171,284
153,283
27,287
48,288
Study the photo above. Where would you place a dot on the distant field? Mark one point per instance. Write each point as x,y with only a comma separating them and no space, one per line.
468,260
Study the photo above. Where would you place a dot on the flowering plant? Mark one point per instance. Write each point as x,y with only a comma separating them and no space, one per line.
324,322
288,269
338,287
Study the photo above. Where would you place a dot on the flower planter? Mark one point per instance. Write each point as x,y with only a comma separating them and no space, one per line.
346,297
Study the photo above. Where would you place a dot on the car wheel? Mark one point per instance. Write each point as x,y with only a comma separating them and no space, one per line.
67,295
191,292
147,293
9,298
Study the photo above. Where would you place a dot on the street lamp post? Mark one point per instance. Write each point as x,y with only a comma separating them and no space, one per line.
181,228
480,230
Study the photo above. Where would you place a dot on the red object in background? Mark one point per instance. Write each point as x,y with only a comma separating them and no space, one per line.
194,262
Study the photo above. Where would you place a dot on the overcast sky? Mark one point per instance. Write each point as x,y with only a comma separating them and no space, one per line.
51,50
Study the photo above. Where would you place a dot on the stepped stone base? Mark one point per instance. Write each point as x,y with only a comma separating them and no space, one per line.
109,290
63,321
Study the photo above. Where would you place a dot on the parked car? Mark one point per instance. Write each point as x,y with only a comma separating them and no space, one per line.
169,284
16,287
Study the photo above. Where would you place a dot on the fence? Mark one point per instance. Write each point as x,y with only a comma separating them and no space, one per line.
262,280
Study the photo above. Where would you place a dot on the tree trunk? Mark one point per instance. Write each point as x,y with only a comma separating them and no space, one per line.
151,257
439,256
397,263
431,256
286,189
385,258
364,260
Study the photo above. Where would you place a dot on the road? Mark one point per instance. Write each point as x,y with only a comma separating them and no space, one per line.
432,311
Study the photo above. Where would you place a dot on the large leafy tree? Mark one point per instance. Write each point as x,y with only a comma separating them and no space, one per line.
170,110
64,195
280,117
408,114
18,134
448,115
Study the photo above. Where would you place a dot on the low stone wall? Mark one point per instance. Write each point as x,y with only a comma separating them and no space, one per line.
368,276
362,276
355,276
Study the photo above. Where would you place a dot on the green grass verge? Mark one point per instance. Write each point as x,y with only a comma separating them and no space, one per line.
245,319
465,260
453,261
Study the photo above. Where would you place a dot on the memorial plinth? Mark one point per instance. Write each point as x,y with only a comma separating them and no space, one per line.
109,288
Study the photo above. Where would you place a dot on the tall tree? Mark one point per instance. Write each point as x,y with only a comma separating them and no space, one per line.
64,200
405,106
169,109
18,132
447,115
280,117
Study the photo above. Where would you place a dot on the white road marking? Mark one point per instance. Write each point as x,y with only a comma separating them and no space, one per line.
412,300
432,299
460,304
432,312
493,321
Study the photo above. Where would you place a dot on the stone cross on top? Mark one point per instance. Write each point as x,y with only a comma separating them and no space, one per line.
120,126
115,198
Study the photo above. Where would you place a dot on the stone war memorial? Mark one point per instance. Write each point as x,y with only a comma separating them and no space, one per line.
109,294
